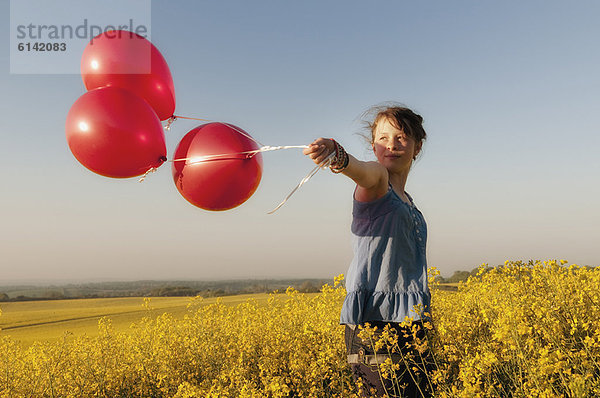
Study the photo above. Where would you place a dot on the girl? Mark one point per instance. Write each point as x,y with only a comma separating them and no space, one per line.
387,279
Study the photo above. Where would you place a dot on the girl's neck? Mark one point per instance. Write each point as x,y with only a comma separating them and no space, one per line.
398,183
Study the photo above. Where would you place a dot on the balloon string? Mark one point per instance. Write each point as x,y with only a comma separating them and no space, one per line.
325,163
249,154
150,170
223,156
226,156
190,118
170,122
175,117
244,134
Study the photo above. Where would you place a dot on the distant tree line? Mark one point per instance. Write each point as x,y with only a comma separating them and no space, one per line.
458,276
184,288
157,289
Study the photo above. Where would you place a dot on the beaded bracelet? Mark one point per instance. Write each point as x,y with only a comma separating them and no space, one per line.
340,160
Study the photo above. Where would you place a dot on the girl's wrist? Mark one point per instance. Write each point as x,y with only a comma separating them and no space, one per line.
340,160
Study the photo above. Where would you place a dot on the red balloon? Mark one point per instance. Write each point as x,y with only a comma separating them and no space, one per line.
125,59
214,173
115,133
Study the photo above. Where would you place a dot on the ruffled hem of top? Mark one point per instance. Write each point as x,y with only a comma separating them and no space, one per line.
364,306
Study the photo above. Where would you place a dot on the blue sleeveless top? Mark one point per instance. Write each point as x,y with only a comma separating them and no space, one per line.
388,276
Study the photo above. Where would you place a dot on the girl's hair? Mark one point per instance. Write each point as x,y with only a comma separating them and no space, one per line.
401,117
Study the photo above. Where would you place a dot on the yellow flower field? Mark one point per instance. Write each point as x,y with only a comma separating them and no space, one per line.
520,330
47,320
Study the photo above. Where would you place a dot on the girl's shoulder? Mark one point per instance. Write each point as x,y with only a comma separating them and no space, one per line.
370,194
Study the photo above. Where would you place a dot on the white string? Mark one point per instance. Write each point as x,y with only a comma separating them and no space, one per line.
226,156
243,133
150,170
249,154
325,163
170,122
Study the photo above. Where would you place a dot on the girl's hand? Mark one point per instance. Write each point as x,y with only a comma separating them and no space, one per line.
320,149
371,178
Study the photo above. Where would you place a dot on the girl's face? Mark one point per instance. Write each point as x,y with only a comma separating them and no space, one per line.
394,149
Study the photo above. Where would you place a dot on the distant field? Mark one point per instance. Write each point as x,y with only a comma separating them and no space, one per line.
50,320
449,286
31,321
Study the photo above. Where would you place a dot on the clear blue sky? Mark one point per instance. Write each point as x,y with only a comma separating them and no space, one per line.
509,94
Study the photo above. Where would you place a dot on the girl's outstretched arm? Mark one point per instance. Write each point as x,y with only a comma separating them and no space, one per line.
371,178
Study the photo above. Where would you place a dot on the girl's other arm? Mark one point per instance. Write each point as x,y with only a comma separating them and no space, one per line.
371,178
